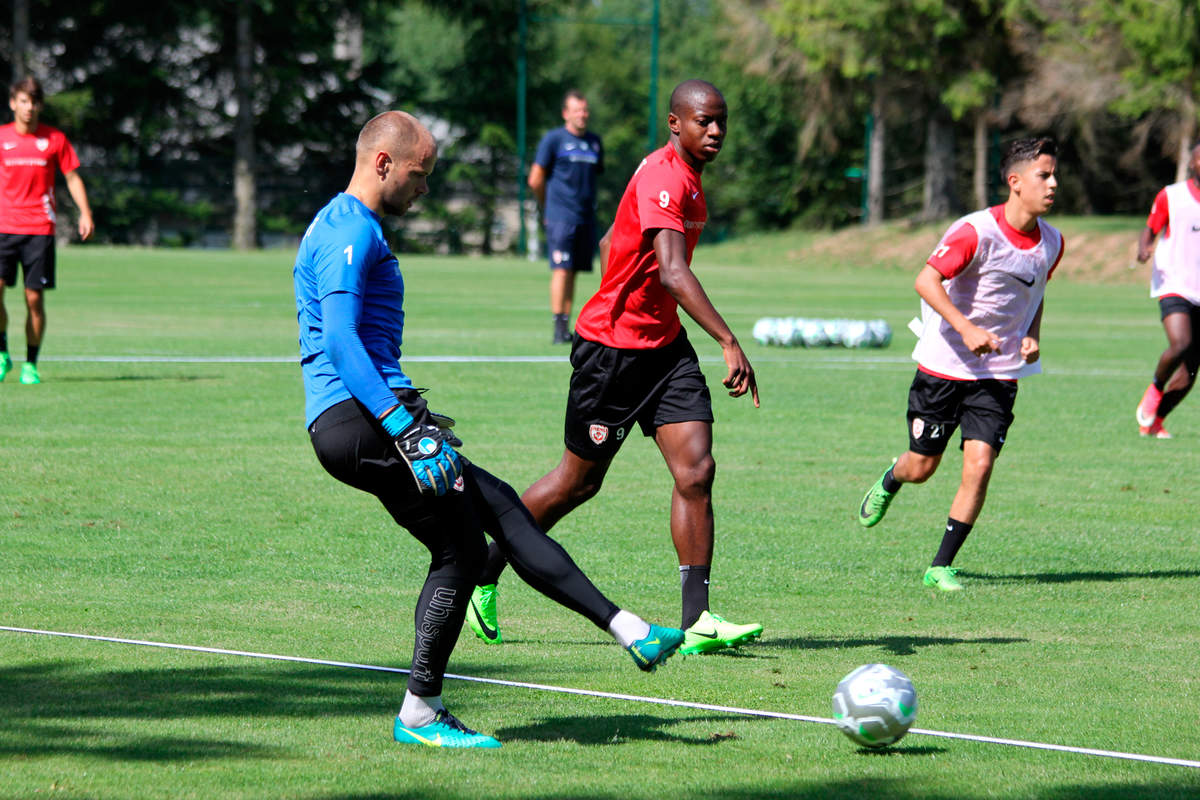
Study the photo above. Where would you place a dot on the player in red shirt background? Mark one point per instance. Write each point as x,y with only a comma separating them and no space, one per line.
30,153
1175,283
633,365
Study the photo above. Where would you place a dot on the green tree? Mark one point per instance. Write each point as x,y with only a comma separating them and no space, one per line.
1159,43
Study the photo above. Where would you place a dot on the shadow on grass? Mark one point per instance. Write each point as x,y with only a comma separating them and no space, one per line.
896,645
66,706
748,788
1072,577
610,729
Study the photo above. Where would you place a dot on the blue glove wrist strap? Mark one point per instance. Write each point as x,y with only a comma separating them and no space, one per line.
396,421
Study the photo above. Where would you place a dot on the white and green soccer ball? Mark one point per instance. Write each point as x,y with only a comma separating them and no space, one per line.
875,705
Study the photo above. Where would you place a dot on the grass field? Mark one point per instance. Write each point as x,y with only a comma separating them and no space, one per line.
179,501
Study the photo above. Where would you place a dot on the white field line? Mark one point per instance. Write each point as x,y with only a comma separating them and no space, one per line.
1179,762
815,361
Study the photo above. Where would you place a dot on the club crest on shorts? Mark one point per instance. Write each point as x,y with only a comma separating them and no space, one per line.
918,427
458,484
598,433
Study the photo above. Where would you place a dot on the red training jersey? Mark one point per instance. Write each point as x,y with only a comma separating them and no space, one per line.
631,309
27,164
1160,211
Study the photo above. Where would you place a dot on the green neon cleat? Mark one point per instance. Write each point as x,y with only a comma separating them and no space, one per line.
5,365
444,731
655,647
29,374
711,632
481,614
942,578
875,503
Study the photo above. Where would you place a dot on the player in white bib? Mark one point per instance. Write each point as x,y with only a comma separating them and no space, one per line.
981,295
1175,281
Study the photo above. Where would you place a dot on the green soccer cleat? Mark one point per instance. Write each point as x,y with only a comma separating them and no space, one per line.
711,632
29,374
5,365
481,614
655,647
942,578
875,503
444,731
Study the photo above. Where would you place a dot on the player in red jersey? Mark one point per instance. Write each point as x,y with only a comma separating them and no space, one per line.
1175,282
30,152
982,294
633,364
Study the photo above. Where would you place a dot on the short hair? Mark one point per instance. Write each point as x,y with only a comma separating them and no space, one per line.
30,86
1020,151
572,94
691,93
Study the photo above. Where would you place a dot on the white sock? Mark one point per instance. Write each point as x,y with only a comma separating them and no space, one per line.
417,712
627,628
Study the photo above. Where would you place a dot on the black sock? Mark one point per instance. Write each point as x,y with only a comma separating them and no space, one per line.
694,580
1159,384
31,353
890,484
956,533
4,342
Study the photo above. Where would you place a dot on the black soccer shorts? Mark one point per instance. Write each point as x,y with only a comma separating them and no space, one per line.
611,388
938,406
36,254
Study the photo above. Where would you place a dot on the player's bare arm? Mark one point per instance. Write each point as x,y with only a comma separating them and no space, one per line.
670,249
603,247
1030,349
79,194
929,287
537,182
1145,245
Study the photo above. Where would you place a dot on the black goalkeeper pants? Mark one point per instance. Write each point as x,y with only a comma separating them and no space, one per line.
354,448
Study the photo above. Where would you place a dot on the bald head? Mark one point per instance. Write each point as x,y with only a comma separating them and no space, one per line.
396,132
693,93
394,157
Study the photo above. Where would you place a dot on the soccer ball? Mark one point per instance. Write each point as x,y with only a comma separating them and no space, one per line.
875,705
856,334
812,333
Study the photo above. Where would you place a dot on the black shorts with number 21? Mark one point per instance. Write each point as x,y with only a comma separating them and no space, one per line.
937,406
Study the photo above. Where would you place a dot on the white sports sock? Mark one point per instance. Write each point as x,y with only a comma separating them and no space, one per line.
627,628
417,712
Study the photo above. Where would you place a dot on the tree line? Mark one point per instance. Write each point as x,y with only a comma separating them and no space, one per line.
239,116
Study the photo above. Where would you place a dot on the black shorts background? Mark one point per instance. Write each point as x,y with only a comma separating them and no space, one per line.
938,406
36,255
612,388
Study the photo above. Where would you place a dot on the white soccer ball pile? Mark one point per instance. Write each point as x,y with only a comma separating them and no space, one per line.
875,705
803,332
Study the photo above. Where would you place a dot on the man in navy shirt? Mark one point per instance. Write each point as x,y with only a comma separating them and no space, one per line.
372,430
563,178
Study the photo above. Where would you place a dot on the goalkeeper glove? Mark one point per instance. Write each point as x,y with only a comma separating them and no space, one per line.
425,449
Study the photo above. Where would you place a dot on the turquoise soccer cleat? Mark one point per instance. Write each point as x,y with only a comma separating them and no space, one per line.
29,374
444,731
655,647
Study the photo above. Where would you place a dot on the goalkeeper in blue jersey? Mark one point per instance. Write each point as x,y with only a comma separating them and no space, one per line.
372,430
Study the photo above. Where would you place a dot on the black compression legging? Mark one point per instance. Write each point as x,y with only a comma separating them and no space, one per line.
353,448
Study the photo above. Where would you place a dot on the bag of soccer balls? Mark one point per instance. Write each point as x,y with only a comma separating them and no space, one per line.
803,332
875,705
